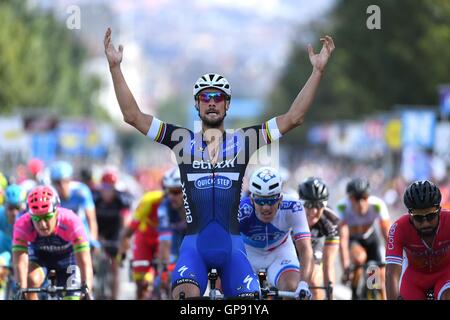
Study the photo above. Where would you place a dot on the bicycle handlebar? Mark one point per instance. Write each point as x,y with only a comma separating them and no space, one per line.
53,290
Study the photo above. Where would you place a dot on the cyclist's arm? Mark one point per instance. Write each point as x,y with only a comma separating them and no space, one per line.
128,106
84,262
344,233
329,257
164,250
20,262
305,252
21,237
296,113
124,217
394,260
88,205
127,233
384,226
384,218
393,272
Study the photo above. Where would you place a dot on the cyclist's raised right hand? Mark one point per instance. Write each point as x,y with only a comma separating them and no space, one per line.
113,55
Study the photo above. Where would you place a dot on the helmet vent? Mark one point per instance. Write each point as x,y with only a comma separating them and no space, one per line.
256,186
274,186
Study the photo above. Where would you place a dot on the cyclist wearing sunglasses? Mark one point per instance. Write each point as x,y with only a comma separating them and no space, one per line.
360,242
112,210
15,203
324,225
266,220
212,164
50,237
418,249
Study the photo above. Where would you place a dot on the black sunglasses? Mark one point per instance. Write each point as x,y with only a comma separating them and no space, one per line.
313,204
420,218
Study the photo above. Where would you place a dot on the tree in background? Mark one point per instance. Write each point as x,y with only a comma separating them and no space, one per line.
372,70
41,64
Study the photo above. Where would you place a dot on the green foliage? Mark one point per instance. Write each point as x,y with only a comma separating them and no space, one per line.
372,70
41,64
174,110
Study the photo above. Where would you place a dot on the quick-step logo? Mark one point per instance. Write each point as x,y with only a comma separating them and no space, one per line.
220,182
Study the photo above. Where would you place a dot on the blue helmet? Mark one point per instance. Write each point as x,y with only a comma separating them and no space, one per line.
61,170
15,195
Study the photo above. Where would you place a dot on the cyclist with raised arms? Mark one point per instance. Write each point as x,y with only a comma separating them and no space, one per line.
325,232
50,237
418,249
266,220
212,164
359,240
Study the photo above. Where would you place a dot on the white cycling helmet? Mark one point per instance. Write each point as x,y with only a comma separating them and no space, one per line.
212,80
172,178
265,182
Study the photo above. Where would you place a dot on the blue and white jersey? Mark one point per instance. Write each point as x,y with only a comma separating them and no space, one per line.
268,236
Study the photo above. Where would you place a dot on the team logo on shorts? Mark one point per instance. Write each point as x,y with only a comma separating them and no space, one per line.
245,211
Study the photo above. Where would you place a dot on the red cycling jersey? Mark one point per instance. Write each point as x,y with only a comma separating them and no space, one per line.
424,267
403,237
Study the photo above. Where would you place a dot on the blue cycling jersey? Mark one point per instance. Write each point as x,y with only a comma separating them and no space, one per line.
211,191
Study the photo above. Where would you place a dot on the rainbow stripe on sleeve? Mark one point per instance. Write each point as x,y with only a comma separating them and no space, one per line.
267,132
161,132
332,241
302,235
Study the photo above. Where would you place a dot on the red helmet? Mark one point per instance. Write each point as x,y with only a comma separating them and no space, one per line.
35,166
42,200
109,178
